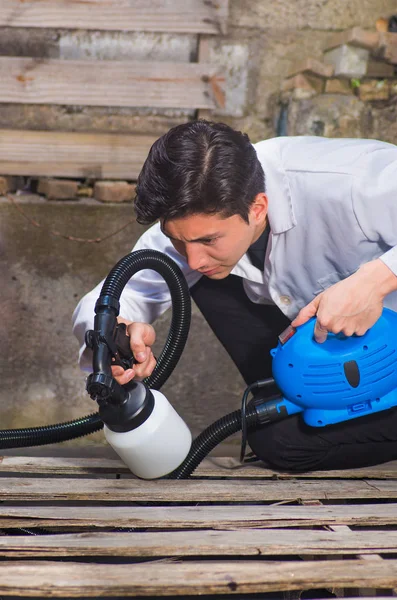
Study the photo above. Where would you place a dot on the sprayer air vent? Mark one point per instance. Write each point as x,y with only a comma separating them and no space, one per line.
324,376
325,379
373,353
379,362
328,366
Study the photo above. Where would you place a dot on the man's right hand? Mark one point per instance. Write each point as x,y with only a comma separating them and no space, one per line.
142,337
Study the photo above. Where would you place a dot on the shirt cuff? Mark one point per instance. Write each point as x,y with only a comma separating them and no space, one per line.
390,259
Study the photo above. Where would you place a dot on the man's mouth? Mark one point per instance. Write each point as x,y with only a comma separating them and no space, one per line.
210,271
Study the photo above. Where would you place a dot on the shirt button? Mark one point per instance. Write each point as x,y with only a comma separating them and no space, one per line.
285,300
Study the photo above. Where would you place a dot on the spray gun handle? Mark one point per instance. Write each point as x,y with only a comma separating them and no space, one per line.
118,345
122,342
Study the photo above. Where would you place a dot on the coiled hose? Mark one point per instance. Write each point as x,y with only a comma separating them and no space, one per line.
175,343
173,348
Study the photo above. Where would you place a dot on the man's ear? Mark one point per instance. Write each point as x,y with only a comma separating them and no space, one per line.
258,210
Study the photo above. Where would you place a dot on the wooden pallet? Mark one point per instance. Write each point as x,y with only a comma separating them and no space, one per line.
171,16
67,154
107,83
197,87
229,530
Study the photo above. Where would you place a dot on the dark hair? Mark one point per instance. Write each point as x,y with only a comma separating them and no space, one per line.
199,167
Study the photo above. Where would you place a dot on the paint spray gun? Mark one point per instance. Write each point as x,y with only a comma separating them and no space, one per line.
341,379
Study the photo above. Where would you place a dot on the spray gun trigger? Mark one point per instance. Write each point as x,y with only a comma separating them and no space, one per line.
123,353
119,345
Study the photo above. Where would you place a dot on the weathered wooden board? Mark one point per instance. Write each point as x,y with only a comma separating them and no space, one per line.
231,527
176,16
49,579
62,154
231,467
199,517
49,465
107,83
210,467
249,542
130,490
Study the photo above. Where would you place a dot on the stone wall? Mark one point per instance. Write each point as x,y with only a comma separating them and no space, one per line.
275,36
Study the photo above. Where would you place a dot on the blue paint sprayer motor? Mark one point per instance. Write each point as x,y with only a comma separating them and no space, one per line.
341,379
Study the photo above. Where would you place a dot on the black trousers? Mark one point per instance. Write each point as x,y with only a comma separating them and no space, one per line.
248,331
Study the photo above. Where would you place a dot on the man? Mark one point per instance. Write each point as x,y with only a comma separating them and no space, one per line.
284,230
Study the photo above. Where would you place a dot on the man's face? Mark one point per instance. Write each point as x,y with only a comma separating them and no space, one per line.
213,244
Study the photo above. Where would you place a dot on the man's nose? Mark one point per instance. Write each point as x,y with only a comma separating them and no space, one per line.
195,257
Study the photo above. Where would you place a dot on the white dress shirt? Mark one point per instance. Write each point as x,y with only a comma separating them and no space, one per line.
332,208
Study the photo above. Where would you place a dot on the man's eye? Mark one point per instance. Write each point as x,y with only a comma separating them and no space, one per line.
209,242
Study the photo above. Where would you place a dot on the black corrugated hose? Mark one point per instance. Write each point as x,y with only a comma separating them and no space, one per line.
211,437
176,339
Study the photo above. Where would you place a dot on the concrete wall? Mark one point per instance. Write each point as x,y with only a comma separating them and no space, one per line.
43,277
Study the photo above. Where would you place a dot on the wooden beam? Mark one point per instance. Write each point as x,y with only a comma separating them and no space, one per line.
246,542
213,466
174,16
130,490
107,83
199,517
58,579
63,154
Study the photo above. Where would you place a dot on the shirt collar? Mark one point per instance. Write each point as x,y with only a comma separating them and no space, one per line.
280,212
281,215
251,265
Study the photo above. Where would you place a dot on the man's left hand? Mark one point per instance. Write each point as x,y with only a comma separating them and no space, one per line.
352,305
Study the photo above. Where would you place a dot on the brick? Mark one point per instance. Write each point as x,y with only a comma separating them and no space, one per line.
354,37
4,188
370,91
313,67
382,25
387,48
114,191
58,189
347,61
85,191
379,68
312,85
10,183
338,86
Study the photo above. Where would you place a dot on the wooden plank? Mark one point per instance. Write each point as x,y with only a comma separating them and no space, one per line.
173,16
210,467
362,592
343,530
184,517
61,465
131,490
107,83
49,579
251,542
222,466
63,154
365,592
